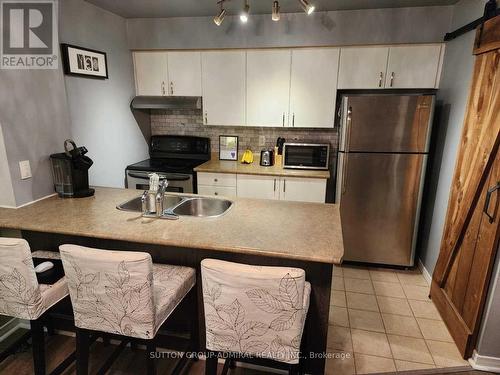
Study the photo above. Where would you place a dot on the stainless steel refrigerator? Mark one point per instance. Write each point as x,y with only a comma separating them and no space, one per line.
383,150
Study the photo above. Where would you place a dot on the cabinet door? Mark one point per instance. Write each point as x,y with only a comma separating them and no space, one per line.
223,86
303,189
363,67
268,87
313,87
413,67
150,73
184,73
260,187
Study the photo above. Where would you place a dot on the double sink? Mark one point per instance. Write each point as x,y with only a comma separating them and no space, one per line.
183,205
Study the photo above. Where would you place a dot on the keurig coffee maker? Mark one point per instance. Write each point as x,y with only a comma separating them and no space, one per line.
71,171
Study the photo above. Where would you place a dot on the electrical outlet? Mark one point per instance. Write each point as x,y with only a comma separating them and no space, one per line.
262,140
25,168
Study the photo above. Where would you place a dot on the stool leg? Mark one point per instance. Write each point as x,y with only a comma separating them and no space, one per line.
38,340
211,363
150,357
82,351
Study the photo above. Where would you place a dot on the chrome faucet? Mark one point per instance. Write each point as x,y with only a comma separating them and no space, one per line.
159,197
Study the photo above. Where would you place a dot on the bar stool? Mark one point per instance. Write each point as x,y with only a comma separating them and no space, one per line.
254,314
22,297
124,294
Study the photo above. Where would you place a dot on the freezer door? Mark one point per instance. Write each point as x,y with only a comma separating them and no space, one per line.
379,203
386,123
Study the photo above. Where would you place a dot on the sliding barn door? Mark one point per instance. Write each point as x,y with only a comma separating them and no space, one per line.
471,234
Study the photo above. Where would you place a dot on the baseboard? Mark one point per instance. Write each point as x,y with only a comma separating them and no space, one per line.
427,276
485,363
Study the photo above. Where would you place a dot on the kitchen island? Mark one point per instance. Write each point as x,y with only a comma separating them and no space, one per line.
263,232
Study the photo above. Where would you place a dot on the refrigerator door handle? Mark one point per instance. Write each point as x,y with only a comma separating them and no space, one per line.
348,130
344,174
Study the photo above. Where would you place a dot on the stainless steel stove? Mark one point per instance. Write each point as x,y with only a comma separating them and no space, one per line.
172,157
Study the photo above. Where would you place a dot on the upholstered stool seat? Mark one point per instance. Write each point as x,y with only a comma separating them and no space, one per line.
254,311
21,296
121,293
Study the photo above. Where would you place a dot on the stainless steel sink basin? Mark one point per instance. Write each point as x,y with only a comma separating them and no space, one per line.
203,207
178,205
135,204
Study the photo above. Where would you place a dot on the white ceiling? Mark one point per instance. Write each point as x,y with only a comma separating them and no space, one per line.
199,8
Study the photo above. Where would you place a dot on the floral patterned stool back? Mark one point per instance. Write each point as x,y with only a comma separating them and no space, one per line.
124,294
254,314
21,296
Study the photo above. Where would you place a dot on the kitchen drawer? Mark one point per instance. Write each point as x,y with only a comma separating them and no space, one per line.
224,191
216,179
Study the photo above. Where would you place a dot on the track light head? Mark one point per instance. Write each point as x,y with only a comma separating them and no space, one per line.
276,11
246,11
308,8
220,17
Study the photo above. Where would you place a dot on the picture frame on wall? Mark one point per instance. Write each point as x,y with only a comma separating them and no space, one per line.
228,147
84,62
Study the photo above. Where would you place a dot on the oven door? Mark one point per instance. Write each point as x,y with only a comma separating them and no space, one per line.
177,182
305,156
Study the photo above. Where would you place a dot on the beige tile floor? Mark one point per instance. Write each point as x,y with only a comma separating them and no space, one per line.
382,320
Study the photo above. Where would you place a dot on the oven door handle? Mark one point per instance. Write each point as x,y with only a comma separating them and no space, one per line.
170,177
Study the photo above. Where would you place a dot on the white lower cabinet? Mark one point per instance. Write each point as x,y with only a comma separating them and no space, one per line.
303,189
223,184
224,191
282,188
260,187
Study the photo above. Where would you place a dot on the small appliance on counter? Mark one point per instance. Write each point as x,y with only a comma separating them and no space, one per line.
306,155
267,158
70,170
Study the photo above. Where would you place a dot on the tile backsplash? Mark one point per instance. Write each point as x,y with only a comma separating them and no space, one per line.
190,122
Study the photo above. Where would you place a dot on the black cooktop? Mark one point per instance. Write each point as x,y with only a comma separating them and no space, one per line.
166,165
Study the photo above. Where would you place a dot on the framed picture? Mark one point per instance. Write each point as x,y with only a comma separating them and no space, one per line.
228,147
84,62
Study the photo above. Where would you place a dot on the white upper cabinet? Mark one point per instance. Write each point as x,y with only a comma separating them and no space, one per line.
150,73
413,67
268,87
223,87
313,87
363,67
184,73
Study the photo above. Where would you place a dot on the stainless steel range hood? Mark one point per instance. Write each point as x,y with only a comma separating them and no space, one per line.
166,102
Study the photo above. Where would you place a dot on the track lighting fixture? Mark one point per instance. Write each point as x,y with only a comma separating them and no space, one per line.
276,11
245,13
220,17
308,8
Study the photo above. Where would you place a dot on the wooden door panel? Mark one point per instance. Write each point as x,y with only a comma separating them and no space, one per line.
470,239
479,137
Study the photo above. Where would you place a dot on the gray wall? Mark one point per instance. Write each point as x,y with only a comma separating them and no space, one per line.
489,335
35,123
100,115
452,102
6,192
373,26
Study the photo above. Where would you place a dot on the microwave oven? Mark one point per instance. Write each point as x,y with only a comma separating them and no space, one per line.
306,155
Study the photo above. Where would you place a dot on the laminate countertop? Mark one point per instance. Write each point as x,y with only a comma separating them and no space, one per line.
291,230
225,166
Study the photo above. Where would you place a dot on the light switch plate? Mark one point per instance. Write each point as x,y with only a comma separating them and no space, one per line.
25,169
262,140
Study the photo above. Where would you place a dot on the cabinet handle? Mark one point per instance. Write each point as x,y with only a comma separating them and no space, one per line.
487,202
293,120
171,88
215,180
380,79
284,185
274,184
392,78
163,88
206,117
283,118
215,193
